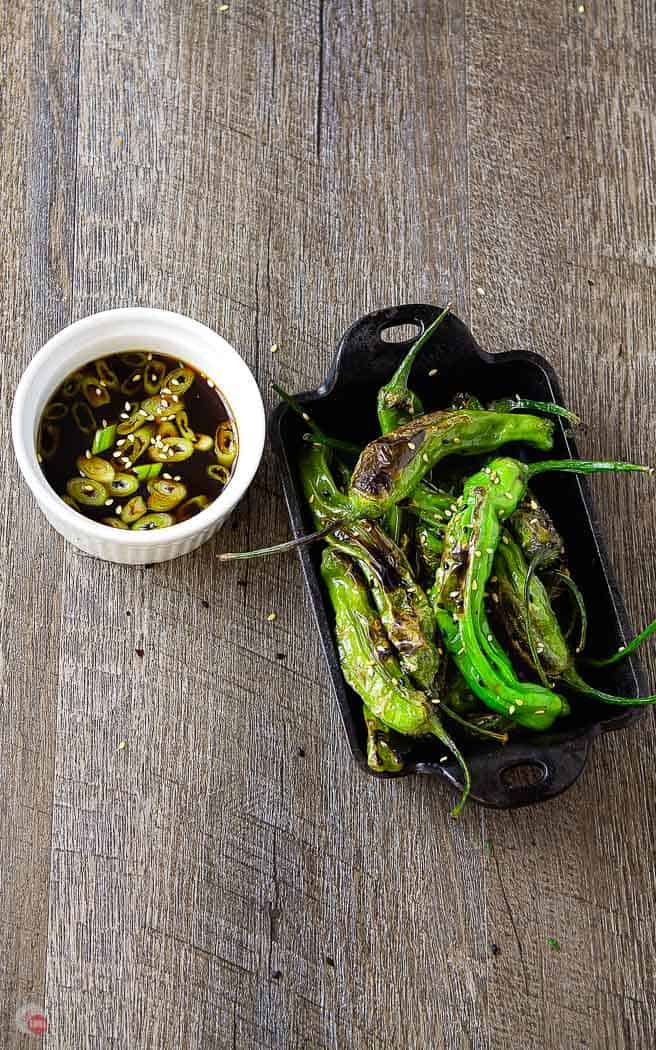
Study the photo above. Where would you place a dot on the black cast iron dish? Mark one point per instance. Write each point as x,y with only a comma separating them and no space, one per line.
530,768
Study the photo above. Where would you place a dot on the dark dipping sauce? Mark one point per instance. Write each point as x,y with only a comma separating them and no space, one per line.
79,420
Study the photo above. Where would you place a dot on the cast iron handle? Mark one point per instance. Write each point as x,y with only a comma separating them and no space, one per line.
522,773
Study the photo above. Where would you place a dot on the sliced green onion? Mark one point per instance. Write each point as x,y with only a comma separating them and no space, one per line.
134,509
106,374
129,425
139,442
203,443
225,443
192,507
48,441
165,494
114,523
147,470
87,491
154,521
162,406
182,421
54,411
123,485
70,386
154,376
171,450
95,394
134,358
133,383
217,472
168,429
95,467
84,417
104,439
179,380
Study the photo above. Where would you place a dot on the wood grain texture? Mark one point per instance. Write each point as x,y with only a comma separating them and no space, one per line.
561,140
228,879
38,116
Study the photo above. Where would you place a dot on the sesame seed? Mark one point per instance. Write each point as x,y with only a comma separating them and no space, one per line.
495,598
489,637
142,412
533,505
477,554
508,495
98,391
444,758
490,550
272,616
118,509
461,650
175,397
540,712
474,585
411,445
124,415
177,478
621,648
137,377
456,441
120,442
167,476
151,418
104,423
87,454
116,454
519,701
504,539
512,709
274,348
433,372
210,384
150,357
424,457
311,498
127,406
39,457
108,502
453,594
533,521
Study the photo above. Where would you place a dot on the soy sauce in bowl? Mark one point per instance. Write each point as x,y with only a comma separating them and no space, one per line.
137,441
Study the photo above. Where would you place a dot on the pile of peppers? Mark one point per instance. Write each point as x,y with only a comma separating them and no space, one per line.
448,590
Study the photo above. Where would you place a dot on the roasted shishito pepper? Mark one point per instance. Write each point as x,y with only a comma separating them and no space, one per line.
370,664
458,596
534,632
390,468
401,602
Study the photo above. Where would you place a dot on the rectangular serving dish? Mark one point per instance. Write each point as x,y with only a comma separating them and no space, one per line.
531,768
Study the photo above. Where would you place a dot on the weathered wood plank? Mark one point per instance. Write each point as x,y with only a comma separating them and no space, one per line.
561,136
234,881
38,72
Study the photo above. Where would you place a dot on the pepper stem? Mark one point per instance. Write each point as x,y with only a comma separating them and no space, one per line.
316,432
630,647
438,730
279,548
585,466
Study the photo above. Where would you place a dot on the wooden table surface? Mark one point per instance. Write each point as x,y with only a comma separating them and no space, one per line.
230,879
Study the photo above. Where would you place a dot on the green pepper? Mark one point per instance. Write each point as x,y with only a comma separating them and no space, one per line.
369,664
396,404
458,596
384,751
402,604
391,467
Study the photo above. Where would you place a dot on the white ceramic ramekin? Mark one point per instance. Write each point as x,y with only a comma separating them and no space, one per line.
114,331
